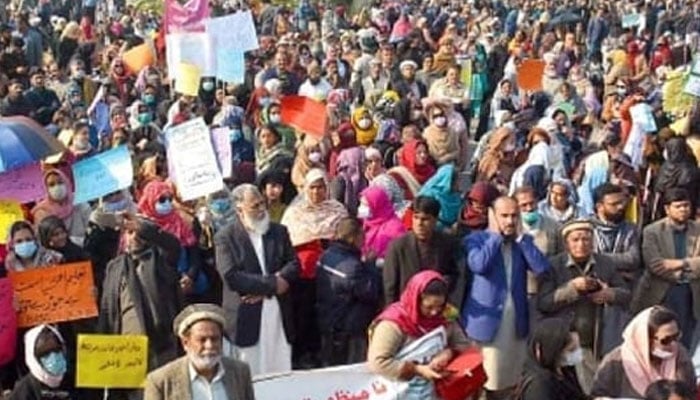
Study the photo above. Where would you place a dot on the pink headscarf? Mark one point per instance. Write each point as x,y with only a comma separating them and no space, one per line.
49,206
635,355
383,225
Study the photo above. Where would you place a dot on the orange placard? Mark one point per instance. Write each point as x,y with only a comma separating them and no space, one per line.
306,115
138,58
54,294
530,75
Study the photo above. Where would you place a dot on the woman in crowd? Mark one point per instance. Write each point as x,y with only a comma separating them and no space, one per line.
25,251
669,390
679,170
310,154
349,181
443,187
475,212
53,235
559,204
414,169
443,143
270,149
498,162
535,172
650,351
381,225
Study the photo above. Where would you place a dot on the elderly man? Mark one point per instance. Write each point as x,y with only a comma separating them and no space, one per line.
577,287
496,310
203,373
671,254
257,262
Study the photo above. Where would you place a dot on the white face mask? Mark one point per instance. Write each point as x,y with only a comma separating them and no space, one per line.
363,212
573,358
315,157
661,354
440,121
58,192
365,123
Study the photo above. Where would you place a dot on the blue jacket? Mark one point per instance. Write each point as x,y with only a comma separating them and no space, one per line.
481,315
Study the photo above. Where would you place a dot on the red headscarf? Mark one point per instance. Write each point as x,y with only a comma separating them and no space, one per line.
632,53
408,159
406,312
485,193
171,223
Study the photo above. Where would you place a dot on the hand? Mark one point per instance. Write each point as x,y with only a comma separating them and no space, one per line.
667,267
282,285
129,222
440,361
583,284
603,296
493,223
252,299
371,255
427,372
186,284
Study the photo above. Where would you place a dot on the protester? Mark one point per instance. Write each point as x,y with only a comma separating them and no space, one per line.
380,223
26,251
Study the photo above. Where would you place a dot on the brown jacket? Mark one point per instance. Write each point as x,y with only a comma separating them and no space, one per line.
172,381
657,245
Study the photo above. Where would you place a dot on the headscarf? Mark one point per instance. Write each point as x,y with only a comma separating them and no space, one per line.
680,167
308,222
485,193
120,80
632,54
264,157
635,356
302,163
349,167
33,363
42,258
408,160
406,312
394,191
365,137
490,163
439,187
171,223
383,225
49,206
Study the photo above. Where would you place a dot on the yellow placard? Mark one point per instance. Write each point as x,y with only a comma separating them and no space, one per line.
187,79
10,212
112,361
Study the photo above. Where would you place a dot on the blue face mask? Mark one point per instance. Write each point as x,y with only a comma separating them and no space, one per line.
235,135
54,363
26,249
149,99
530,218
116,206
144,118
220,206
164,208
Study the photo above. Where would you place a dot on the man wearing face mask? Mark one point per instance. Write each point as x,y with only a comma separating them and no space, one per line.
316,87
204,371
577,287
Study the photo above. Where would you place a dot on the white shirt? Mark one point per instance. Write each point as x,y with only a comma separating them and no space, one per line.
202,389
317,92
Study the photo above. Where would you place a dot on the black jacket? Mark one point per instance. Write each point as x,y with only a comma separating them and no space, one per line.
242,275
348,292
539,383
30,388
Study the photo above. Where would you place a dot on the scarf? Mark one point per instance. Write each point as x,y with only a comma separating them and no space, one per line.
172,222
264,158
33,363
483,193
439,187
607,235
48,206
408,160
383,225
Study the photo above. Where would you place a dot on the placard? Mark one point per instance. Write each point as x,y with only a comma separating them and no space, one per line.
24,185
187,17
230,65
631,20
530,75
61,293
8,322
139,57
222,146
10,212
234,31
102,174
187,79
191,48
643,116
112,361
692,86
192,159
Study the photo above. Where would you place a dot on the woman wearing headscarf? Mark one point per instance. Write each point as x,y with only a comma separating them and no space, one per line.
504,100
276,187
365,127
68,44
637,64
272,115
535,171
270,149
25,251
554,350
142,123
341,138
419,311
414,169
53,235
475,212
310,154
650,351
157,204
45,356
444,145
498,162
121,80
680,170
443,188
311,220
349,181
59,202
381,225
559,204
77,140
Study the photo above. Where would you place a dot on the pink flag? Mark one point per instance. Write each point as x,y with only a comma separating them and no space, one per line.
187,17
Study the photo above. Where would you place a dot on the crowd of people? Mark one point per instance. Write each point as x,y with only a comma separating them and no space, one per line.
553,226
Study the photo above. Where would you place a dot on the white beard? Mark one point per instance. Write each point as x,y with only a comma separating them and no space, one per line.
259,226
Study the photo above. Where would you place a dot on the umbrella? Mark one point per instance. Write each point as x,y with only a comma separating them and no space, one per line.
23,142
565,18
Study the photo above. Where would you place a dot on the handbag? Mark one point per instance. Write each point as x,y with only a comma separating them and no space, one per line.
467,376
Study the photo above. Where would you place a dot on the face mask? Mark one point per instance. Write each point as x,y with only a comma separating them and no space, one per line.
275,118
79,74
264,102
116,206
206,362
621,92
220,206
144,118
164,208
365,123
661,354
530,218
208,86
573,358
440,121
363,212
235,135
315,157
82,144
149,99
54,363
26,249
58,192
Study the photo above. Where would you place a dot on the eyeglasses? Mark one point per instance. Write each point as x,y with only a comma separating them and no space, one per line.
165,199
670,339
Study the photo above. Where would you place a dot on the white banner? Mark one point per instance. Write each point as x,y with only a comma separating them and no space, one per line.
354,382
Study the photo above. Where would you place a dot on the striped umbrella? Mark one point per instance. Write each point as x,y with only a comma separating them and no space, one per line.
23,142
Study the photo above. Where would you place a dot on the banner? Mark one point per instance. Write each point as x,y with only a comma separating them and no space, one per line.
222,146
304,114
187,79
192,160
643,116
102,174
191,48
188,17
24,185
234,31
112,361
8,323
10,212
230,65
65,292
354,382
630,20
139,57
530,75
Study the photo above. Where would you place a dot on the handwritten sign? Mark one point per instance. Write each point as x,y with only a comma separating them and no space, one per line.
112,361
192,159
242,38
54,294
222,147
8,323
187,79
191,48
230,65
10,212
643,116
307,115
102,174
530,75
24,185
692,86
630,20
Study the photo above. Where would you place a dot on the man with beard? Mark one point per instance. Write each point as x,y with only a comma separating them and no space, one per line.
15,103
202,373
257,263
619,240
